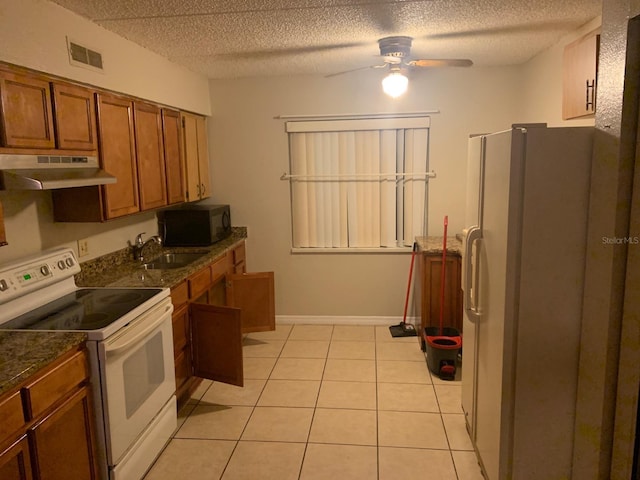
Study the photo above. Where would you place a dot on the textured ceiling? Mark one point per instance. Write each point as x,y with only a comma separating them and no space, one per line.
239,38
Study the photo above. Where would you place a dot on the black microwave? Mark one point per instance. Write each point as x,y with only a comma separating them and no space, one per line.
195,225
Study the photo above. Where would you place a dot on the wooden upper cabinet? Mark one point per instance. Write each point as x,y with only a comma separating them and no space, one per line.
196,155
174,162
75,116
150,156
117,155
579,76
27,116
203,157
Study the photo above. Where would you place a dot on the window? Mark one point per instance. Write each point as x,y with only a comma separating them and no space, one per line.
358,184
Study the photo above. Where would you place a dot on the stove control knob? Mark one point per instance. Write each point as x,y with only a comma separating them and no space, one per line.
44,270
3,286
69,262
61,265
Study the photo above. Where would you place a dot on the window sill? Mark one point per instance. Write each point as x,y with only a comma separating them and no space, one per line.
352,250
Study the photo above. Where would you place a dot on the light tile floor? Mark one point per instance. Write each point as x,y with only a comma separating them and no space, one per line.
324,402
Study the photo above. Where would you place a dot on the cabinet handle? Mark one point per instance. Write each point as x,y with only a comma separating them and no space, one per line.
198,190
203,189
591,95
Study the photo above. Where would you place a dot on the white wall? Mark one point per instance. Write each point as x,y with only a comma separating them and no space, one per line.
32,34
249,153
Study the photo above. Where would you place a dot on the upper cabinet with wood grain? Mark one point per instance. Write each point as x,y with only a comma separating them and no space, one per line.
196,154
40,114
27,113
118,155
152,183
159,155
580,76
173,159
75,117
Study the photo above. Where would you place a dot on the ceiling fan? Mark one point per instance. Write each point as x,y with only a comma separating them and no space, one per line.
395,54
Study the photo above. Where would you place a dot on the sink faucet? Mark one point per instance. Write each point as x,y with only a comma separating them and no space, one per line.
138,247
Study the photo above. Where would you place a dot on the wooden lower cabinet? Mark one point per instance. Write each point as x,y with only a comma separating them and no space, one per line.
15,461
427,293
72,458
47,425
213,308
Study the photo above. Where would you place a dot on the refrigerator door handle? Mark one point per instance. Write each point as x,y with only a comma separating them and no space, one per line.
471,235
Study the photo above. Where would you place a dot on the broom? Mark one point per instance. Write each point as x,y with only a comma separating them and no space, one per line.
404,329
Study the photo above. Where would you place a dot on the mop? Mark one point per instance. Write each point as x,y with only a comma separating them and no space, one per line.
405,329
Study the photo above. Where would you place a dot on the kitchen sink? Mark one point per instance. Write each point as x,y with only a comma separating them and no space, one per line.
172,260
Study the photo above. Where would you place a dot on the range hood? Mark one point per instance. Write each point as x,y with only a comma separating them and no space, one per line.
48,172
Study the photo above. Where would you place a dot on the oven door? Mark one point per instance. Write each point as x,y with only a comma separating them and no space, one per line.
138,377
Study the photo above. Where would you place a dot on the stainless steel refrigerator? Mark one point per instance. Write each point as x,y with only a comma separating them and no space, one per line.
523,262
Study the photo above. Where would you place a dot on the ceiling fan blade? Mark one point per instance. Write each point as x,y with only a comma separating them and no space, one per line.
354,70
440,62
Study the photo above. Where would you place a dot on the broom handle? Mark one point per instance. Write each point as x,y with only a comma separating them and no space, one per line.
442,275
406,302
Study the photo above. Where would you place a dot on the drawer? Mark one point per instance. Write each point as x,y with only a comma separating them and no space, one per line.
180,320
219,268
11,415
199,283
180,295
49,388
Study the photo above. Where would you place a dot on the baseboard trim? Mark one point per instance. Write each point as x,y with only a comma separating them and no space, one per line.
341,320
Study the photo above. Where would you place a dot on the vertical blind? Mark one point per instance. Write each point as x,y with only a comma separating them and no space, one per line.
358,183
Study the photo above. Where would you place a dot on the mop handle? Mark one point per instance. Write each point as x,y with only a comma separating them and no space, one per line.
442,275
406,302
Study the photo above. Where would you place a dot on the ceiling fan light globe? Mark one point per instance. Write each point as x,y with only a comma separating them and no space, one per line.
395,84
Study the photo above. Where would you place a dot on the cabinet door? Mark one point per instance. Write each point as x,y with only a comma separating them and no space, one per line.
118,157
196,157
254,294
75,114
190,144
174,163
181,346
15,461
63,442
150,156
452,313
579,76
203,157
216,336
27,117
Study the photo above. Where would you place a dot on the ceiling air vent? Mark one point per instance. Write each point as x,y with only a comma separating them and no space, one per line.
83,56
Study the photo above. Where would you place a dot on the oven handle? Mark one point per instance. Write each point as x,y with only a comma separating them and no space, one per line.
117,346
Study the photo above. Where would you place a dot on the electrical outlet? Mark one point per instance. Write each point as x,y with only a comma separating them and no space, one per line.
83,247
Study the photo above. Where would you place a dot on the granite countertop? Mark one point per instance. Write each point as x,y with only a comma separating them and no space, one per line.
432,245
23,353
119,269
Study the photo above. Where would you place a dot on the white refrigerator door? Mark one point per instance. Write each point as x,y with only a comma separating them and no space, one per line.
497,260
469,269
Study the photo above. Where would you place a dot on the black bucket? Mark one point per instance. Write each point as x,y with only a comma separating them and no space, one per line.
442,351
